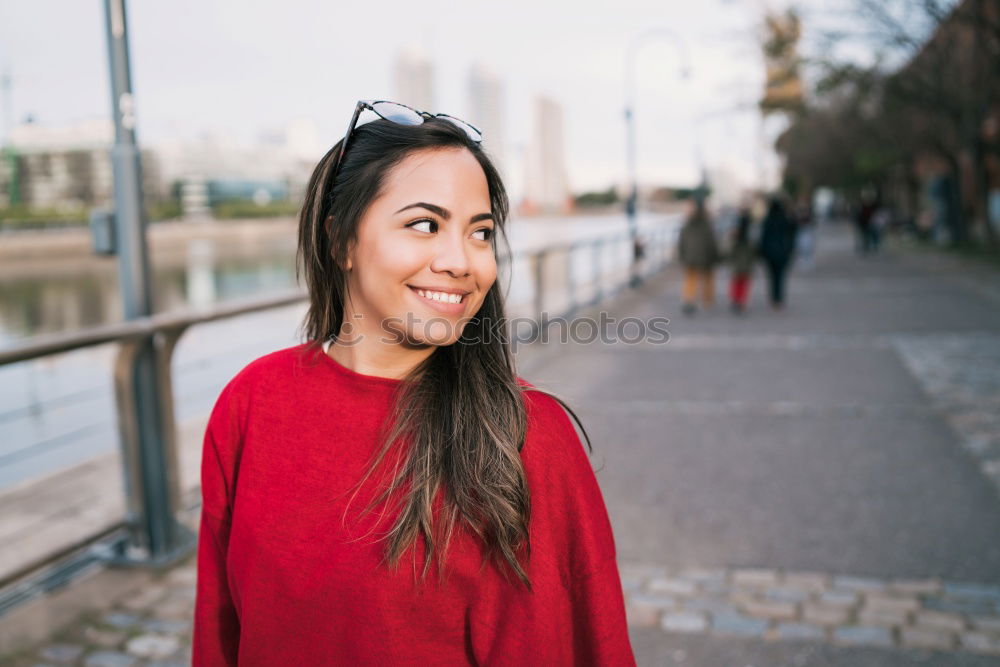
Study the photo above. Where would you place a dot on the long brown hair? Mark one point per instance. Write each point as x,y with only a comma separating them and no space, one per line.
461,411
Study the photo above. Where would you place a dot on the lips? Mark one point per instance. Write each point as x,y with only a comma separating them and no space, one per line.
442,300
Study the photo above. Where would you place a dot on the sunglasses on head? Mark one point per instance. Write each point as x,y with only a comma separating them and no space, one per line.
401,114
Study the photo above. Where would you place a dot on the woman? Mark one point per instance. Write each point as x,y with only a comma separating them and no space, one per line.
777,243
390,492
741,261
698,253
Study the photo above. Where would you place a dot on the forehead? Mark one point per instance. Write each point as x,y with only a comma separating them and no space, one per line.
437,176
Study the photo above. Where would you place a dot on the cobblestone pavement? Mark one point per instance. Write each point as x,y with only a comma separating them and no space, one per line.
809,606
150,629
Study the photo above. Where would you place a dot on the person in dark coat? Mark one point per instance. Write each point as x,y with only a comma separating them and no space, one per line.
777,243
741,260
698,253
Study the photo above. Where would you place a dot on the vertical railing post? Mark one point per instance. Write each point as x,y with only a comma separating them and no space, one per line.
539,292
570,282
598,276
145,411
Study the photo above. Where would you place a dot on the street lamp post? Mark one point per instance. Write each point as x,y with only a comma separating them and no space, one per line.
632,201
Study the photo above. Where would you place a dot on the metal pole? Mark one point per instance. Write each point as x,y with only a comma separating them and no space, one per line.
156,535
632,201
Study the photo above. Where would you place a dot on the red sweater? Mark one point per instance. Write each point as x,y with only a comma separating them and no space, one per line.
283,580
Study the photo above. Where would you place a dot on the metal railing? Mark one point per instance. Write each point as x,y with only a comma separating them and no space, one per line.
590,271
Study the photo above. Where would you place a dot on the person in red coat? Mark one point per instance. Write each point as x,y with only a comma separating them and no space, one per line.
390,492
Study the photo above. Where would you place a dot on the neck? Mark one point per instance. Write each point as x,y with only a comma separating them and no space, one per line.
363,352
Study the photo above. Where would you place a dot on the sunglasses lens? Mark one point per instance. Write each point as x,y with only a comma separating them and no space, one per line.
397,113
473,133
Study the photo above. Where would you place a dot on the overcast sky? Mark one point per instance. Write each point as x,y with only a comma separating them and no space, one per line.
249,67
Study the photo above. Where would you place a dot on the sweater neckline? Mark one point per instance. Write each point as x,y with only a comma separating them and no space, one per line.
354,376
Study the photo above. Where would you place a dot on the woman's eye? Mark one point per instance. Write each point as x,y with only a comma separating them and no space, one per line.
487,233
424,225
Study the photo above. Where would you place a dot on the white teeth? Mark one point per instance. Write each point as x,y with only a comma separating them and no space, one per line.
440,296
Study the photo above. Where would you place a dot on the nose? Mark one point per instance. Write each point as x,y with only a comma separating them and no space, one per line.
451,256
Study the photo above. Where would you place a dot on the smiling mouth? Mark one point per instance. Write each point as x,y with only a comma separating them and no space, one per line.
439,297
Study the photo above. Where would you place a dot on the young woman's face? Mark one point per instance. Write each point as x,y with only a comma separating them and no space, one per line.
423,261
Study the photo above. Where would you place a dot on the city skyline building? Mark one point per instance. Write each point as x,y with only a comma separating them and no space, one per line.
413,77
487,112
547,187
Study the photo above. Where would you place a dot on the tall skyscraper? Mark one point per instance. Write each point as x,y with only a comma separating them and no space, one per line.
547,189
414,79
486,111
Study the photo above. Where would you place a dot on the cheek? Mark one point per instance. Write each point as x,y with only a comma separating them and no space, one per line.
393,262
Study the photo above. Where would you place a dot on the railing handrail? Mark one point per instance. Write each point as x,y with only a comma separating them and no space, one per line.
46,345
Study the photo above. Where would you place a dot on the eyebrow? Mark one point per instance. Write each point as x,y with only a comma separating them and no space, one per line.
445,213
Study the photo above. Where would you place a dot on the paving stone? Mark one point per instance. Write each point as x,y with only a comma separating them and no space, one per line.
178,609
755,578
673,586
716,587
915,586
185,593
861,584
883,617
973,591
925,638
738,625
839,598
167,626
653,600
642,616
103,638
110,659
986,623
980,642
704,576
939,620
145,598
812,582
860,635
176,662
971,607
800,631
683,621
711,605
152,646
784,594
62,653
632,584
121,620
881,603
183,575
772,609
822,614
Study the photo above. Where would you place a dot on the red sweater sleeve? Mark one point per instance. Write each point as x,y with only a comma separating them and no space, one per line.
216,633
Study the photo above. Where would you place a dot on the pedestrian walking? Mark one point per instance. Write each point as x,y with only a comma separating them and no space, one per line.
390,491
698,253
865,224
742,256
806,235
777,244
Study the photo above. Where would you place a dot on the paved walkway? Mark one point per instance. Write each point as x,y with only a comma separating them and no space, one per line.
814,487
818,486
